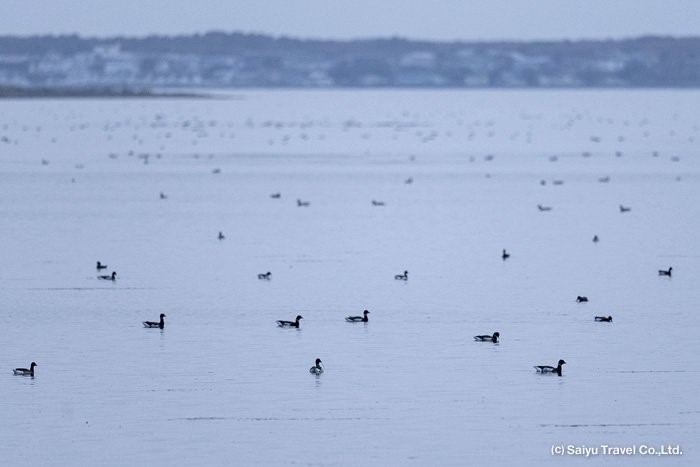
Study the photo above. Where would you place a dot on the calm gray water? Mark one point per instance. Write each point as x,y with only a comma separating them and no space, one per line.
222,385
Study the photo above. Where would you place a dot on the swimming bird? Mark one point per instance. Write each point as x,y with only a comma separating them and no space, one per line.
290,324
402,277
544,208
625,208
357,319
505,255
595,239
317,369
25,371
101,266
665,273
605,319
377,203
277,195
112,277
550,369
408,181
486,337
265,276
581,298
154,324
301,203
221,235
163,195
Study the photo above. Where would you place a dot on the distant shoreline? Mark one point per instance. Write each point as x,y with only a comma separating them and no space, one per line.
13,92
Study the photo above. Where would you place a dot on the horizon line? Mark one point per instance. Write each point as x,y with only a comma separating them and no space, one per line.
340,40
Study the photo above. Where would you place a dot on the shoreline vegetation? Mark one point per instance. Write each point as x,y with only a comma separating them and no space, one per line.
18,92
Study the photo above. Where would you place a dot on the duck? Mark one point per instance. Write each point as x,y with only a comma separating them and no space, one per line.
408,181
604,319
154,324
581,299
163,195
317,369
485,337
265,276
111,277
544,208
221,235
25,371
625,208
402,277
550,369
101,266
595,239
301,203
505,255
665,273
377,203
277,195
358,319
290,324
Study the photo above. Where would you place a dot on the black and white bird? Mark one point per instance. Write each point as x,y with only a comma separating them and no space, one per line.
358,319
317,369
155,324
265,276
581,299
604,319
290,324
505,255
111,277
402,277
550,369
486,338
665,272
25,371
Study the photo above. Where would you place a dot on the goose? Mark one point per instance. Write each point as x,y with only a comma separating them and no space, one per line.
625,208
544,208
486,337
550,369
265,276
581,299
301,203
358,319
154,324
505,255
402,277
604,319
221,235
290,324
25,371
101,266
317,369
665,273
112,277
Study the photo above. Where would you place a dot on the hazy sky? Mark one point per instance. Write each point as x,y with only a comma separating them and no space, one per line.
421,19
